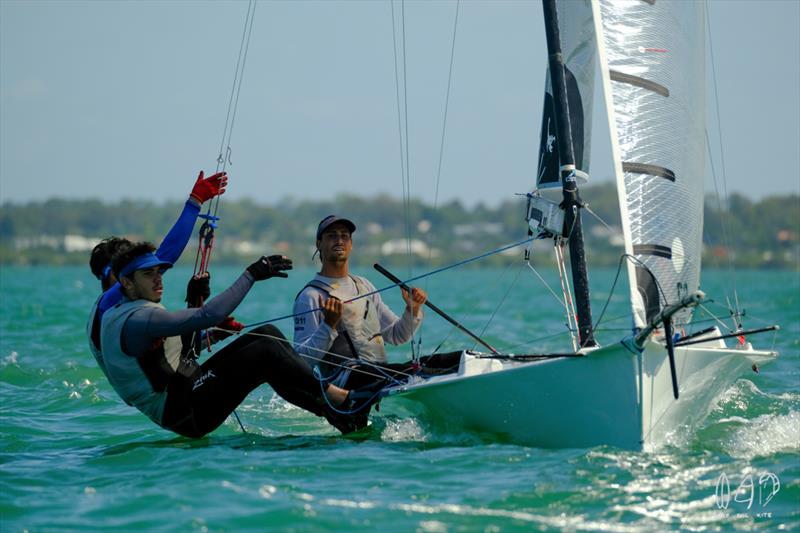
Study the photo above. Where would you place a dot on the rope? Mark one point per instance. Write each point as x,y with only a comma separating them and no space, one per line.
324,353
569,307
610,293
538,339
407,281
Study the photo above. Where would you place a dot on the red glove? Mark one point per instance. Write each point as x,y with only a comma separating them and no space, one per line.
226,328
207,188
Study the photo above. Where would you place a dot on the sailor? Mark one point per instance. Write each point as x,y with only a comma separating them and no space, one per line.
170,250
347,331
142,351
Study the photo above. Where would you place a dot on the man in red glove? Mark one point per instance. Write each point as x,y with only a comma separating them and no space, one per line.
170,250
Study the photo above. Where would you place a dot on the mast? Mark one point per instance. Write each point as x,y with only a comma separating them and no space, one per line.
572,202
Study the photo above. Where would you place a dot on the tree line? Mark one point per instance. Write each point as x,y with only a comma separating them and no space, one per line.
764,233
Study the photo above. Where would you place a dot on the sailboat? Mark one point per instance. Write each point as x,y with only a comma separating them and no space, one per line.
665,376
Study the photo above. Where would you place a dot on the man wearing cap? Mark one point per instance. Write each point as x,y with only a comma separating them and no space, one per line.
344,330
142,351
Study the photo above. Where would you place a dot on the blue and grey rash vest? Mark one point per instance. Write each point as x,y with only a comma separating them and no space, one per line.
141,344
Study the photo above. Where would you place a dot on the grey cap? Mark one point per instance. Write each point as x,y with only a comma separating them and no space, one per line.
329,220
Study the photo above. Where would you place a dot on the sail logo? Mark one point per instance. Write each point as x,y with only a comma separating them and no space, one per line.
745,493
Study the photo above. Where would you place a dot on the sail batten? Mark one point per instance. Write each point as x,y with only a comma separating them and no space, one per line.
637,81
653,249
652,170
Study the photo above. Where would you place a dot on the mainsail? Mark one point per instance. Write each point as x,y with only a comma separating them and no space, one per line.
579,50
652,57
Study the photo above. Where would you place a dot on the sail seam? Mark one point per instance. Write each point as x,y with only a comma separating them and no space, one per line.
643,83
644,168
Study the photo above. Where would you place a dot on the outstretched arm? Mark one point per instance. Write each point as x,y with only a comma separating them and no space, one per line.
178,237
151,323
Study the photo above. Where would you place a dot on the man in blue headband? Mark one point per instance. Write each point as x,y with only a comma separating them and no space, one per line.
170,250
142,350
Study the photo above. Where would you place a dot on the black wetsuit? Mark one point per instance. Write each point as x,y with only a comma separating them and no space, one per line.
198,406
142,352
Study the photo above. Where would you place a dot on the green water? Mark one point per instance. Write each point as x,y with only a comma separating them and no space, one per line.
74,457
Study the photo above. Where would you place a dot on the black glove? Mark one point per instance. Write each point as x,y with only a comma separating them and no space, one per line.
198,290
267,267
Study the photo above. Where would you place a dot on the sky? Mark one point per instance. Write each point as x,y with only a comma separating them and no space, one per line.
120,99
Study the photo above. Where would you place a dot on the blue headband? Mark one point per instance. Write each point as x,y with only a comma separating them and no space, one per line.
143,261
103,275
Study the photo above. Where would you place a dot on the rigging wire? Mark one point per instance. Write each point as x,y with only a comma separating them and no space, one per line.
205,246
407,281
397,98
502,300
444,119
402,130
471,309
207,230
546,285
722,157
441,142
402,122
233,100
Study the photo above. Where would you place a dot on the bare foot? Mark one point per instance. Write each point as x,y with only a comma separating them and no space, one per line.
336,395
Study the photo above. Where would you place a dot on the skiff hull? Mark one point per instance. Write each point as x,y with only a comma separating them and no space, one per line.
612,396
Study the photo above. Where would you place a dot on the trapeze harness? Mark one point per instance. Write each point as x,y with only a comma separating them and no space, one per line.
359,329
93,333
142,381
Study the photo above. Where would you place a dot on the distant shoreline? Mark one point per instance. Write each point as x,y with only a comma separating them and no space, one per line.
746,234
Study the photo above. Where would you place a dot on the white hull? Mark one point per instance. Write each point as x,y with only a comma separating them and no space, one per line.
610,397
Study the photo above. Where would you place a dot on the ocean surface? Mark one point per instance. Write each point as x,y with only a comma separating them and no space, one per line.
73,457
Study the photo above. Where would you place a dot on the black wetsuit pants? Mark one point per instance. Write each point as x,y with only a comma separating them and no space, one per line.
200,404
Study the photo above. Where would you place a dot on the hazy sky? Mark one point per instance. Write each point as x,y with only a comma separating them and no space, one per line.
113,99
